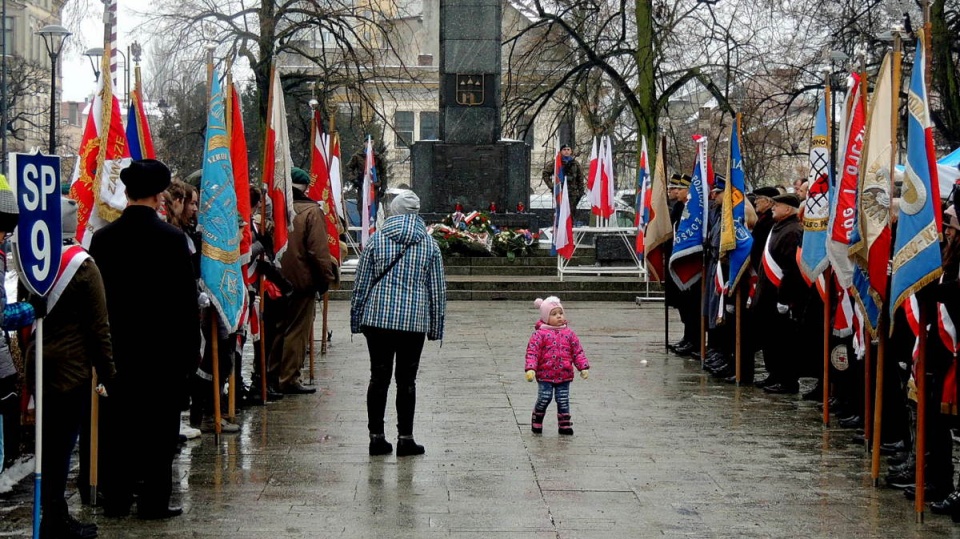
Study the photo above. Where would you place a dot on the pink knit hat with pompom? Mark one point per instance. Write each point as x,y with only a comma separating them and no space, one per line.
547,305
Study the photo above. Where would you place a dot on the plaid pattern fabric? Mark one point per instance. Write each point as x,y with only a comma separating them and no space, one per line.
413,295
17,315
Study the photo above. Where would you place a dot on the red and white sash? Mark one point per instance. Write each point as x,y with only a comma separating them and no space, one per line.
73,257
771,269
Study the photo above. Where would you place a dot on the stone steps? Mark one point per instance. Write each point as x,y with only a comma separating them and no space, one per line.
530,287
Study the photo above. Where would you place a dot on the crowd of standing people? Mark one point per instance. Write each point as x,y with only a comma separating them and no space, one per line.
784,320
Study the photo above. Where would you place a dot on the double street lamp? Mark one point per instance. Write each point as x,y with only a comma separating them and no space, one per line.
53,37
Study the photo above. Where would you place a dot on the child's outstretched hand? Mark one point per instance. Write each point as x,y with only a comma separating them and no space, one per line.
531,374
585,374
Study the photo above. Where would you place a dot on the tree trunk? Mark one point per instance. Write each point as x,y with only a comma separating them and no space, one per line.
944,75
646,91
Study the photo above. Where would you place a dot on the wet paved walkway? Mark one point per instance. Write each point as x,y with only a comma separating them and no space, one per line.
659,450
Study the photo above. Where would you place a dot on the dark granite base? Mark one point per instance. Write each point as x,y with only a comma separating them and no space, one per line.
473,175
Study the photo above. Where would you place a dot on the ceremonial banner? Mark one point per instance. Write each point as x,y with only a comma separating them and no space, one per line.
558,181
138,128
686,261
658,231
336,183
319,188
916,253
607,182
735,239
870,240
563,234
218,220
816,208
843,215
100,195
241,174
276,167
593,179
370,183
641,204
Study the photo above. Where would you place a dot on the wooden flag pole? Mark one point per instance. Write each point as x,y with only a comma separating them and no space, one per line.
666,317
228,110
263,329
827,277
310,349
93,475
216,374
921,379
867,390
738,297
703,309
878,408
323,338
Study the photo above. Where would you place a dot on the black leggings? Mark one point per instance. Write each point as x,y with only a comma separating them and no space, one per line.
383,345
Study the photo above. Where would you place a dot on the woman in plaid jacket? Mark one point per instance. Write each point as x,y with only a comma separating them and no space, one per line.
399,297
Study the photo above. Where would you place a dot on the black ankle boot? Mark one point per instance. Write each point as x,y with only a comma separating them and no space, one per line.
380,446
407,447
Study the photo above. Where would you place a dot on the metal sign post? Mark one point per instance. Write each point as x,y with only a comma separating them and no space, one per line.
36,183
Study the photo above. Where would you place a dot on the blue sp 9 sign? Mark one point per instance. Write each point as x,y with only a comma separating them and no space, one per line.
36,182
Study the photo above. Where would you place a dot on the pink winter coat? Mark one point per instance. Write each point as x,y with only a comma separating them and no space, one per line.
553,352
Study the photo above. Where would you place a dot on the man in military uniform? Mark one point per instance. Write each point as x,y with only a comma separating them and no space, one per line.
780,292
572,173
687,302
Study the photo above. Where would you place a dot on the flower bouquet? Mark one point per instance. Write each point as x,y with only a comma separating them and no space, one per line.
514,243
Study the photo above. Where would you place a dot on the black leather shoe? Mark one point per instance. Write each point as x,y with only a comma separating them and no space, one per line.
764,382
682,343
815,394
298,389
724,373
893,447
901,480
930,493
683,349
744,380
851,422
857,439
782,389
115,511
407,447
948,505
379,446
160,513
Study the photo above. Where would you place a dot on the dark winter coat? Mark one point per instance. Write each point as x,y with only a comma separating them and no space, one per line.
785,238
152,303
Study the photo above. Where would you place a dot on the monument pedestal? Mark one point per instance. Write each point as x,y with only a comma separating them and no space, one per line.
473,175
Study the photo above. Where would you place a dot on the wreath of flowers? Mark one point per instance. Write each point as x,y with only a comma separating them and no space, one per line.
514,243
474,234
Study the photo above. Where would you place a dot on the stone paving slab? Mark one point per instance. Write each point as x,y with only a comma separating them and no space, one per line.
659,451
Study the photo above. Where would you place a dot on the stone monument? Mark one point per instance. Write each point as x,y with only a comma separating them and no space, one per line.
470,165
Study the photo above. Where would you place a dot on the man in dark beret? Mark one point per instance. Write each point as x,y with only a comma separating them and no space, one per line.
780,292
156,342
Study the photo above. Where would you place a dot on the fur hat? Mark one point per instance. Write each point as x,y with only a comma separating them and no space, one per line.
768,192
547,305
145,178
405,203
68,216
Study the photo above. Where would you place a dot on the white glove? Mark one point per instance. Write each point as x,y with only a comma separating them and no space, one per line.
889,268
729,309
749,302
203,300
783,309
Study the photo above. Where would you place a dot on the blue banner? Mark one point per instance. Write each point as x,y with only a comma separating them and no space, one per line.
916,251
816,208
686,262
218,217
739,257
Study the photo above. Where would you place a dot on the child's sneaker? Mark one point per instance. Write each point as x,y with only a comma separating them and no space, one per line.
565,424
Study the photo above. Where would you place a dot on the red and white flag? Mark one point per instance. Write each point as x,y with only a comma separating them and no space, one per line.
370,183
336,183
319,188
276,166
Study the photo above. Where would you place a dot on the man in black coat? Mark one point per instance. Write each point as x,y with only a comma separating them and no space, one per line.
154,322
780,293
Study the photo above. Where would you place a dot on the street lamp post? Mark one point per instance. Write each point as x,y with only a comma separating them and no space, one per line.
53,37
95,54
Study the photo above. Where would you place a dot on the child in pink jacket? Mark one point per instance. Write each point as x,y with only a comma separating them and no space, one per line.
552,353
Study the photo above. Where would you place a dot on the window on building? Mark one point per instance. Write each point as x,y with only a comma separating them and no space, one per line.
8,36
403,128
429,125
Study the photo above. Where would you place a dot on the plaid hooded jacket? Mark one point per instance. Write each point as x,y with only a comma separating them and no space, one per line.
412,296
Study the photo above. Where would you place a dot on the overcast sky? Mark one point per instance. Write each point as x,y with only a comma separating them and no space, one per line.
78,82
